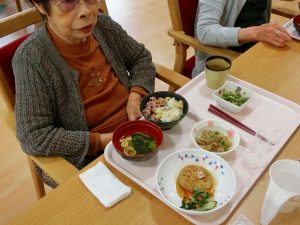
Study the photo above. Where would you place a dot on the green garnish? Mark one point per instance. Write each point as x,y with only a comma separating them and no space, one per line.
199,200
143,143
236,97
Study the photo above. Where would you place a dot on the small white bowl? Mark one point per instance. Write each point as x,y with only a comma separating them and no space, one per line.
169,168
232,86
217,125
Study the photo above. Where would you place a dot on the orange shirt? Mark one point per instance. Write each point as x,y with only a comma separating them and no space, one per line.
103,95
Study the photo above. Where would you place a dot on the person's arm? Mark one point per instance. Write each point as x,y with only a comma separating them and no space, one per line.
210,32
269,32
98,142
208,28
37,127
136,58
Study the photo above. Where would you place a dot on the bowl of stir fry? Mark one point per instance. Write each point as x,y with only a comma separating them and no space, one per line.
195,182
137,140
215,136
233,97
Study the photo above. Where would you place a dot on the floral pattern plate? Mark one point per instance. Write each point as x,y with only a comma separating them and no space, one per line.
170,167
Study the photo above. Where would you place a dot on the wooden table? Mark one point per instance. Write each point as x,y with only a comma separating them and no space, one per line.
287,8
274,69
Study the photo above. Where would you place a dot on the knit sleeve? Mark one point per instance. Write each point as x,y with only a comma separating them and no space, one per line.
38,127
136,58
139,90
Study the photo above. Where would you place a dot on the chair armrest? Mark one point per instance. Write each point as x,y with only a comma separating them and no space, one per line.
193,42
18,21
171,77
57,168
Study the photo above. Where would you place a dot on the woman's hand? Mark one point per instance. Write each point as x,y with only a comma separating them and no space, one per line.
273,34
133,106
269,32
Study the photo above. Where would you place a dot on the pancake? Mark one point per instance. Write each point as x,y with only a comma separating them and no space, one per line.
192,176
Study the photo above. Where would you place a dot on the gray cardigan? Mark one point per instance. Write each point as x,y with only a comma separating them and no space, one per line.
50,117
215,25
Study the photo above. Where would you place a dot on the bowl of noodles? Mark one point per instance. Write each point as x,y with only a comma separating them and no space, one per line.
215,136
195,182
137,140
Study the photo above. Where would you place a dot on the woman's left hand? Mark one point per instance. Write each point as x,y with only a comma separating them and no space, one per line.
133,106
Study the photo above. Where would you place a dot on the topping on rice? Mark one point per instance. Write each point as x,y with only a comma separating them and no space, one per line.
163,109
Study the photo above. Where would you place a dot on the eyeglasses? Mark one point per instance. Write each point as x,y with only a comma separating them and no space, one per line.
69,5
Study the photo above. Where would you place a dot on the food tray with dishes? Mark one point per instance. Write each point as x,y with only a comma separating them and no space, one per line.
271,115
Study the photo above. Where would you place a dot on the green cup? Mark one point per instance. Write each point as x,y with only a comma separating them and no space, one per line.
216,71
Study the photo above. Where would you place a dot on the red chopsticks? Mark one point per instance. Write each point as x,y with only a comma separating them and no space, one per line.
213,109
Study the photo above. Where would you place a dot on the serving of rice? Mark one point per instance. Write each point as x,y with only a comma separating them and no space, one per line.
164,109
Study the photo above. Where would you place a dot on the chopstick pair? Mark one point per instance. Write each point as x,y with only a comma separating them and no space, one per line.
213,109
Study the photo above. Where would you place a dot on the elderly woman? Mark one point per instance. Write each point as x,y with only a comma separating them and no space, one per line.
77,78
237,24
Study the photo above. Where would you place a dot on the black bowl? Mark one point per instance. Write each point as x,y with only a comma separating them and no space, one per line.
164,94
296,23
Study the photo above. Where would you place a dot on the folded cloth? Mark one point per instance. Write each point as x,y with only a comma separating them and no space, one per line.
104,185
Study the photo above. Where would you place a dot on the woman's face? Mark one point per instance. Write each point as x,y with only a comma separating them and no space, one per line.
72,26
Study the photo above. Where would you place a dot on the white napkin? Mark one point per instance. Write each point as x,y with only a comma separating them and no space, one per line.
104,185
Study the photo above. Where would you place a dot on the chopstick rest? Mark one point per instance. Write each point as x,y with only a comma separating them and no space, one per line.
104,185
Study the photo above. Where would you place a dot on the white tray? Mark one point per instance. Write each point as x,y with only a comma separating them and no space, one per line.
267,113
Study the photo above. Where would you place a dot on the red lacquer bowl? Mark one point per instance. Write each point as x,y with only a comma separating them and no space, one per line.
296,23
137,126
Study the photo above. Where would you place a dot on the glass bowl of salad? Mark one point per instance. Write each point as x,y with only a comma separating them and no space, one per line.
137,140
164,108
195,182
233,97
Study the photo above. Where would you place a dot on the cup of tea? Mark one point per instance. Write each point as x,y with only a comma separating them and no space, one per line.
283,193
216,71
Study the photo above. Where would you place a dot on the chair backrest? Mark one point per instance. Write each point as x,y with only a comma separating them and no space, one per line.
188,10
8,26
183,14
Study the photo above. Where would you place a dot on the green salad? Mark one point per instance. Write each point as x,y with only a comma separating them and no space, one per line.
236,97
198,200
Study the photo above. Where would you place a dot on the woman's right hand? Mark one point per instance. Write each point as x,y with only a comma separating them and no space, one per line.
273,34
269,32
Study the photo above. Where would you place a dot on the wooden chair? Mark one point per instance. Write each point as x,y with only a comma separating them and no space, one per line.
183,14
56,167
19,6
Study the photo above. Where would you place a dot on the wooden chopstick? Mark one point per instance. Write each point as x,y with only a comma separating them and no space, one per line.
213,109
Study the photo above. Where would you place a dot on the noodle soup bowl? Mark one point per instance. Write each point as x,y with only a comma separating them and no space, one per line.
169,169
169,115
214,140
147,136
